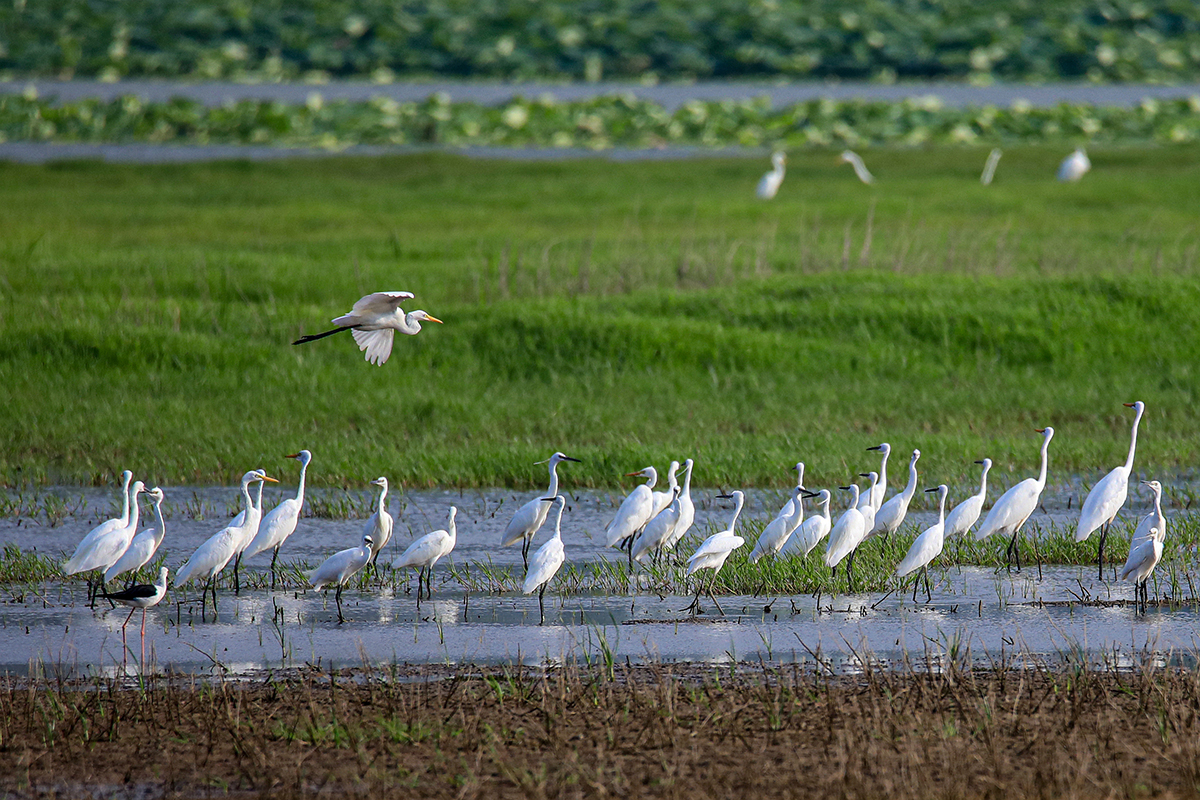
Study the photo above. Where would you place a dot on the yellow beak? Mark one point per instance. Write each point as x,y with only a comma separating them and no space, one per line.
433,319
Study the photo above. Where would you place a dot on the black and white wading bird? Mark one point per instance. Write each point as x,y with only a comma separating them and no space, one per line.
141,596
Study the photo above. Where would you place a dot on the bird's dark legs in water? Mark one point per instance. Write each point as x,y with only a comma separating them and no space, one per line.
916,583
1103,536
338,598
850,571
525,552
542,605
928,593
274,555
629,550
429,583
712,584
420,584
696,600
237,581
1013,551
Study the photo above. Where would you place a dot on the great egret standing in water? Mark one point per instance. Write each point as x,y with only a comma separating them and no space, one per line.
374,321
1104,501
769,185
860,169
83,550
530,517
144,545
107,549
634,512
547,560
1144,556
687,509
847,534
776,534
657,531
379,525
1014,506
280,522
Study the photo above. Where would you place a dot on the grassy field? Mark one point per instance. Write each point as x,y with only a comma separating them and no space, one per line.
624,313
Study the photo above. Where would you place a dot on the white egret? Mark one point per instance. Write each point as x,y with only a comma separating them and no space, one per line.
144,545
280,522
141,596
84,549
815,527
1104,501
713,552
1074,166
790,506
864,499
107,549
860,169
687,509
218,550
1014,506
531,516
1144,556
926,547
425,552
634,512
247,522
768,186
379,524
664,499
547,560
880,492
374,321
891,514
657,531
1155,519
845,537
340,568
989,169
965,514
776,534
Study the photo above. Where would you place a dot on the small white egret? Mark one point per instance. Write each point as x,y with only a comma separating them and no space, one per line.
845,537
107,549
663,499
860,169
864,499
374,321
1155,519
141,596
340,568
530,517
1014,506
768,186
379,525
713,552
634,512
989,169
891,514
966,513
687,509
657,531
880,492
1104,501
790,506
776,534
547,560
926,547
1074,166
144,545
815,527
280,522
425,552
1144,556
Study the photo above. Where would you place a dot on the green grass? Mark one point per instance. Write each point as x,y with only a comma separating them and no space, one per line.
623,313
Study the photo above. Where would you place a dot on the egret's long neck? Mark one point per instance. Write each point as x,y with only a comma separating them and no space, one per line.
883,471
134,512
452,529
983,482
300,488
258,499
941,508
652,478
687,481
798,507
672,481
162,526
246,497
737,510
125,500
1133,440
558,524
553,490
382,500
825,511
854,495
911,487
1041,480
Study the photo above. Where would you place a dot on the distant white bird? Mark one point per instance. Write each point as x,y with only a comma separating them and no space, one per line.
106,550
1104,501
340,568
880,491
530,517
547,560
86,546
634,512
1143,557
663,499
860,169
775,535
966,513
926,547
657,531
768,186
143,546
1074,166
1014,506
379,524
989,169
687,509
814,528
280,522
425,552
864,499
374,321
1155,519
142,596
891,514
845,537
713,552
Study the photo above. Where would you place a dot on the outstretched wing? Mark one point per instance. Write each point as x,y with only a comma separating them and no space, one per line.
381,302
378,344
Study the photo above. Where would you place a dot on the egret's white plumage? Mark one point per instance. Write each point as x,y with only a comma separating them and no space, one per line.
657,531
84,549
1154,520
989,169
965,514
425,552
663,499
1074,166
1104,501
687,509
247,522
547,560
891,514
879,493
340,568
715,550
1143,557
280,522
379,524
530,517
928,545
848,532
374,321
789,507
1009,513
864,499
775,535
144,545
219,549
768,185
860,169
635,510
107,549
814,528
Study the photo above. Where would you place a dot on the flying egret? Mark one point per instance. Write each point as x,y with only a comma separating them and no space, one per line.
1104,501
664,499
880,492
657,531
247,522
989,169
373,322
1155,519
142,596
107,549
687,509
815,527
965,514
425,552
776,534
845,537
339,568
891,514
864,499
218,550
926,547
634,512
768,186
280,522
1074,166
860,169
143,546
1144,556
88,543
713,551
531,516
547,560
1014,506
379,525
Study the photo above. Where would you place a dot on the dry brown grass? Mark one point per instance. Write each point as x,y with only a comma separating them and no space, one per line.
668,731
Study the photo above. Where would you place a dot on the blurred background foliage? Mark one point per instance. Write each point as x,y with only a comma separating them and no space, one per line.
882,40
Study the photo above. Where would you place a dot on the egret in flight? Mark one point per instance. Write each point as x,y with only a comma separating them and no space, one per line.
713,552
280,522
547,560
1104,501
142,596
427,551
926,547
1074,166
374,321
1014,506
860,169
340,568
769,185
530,517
